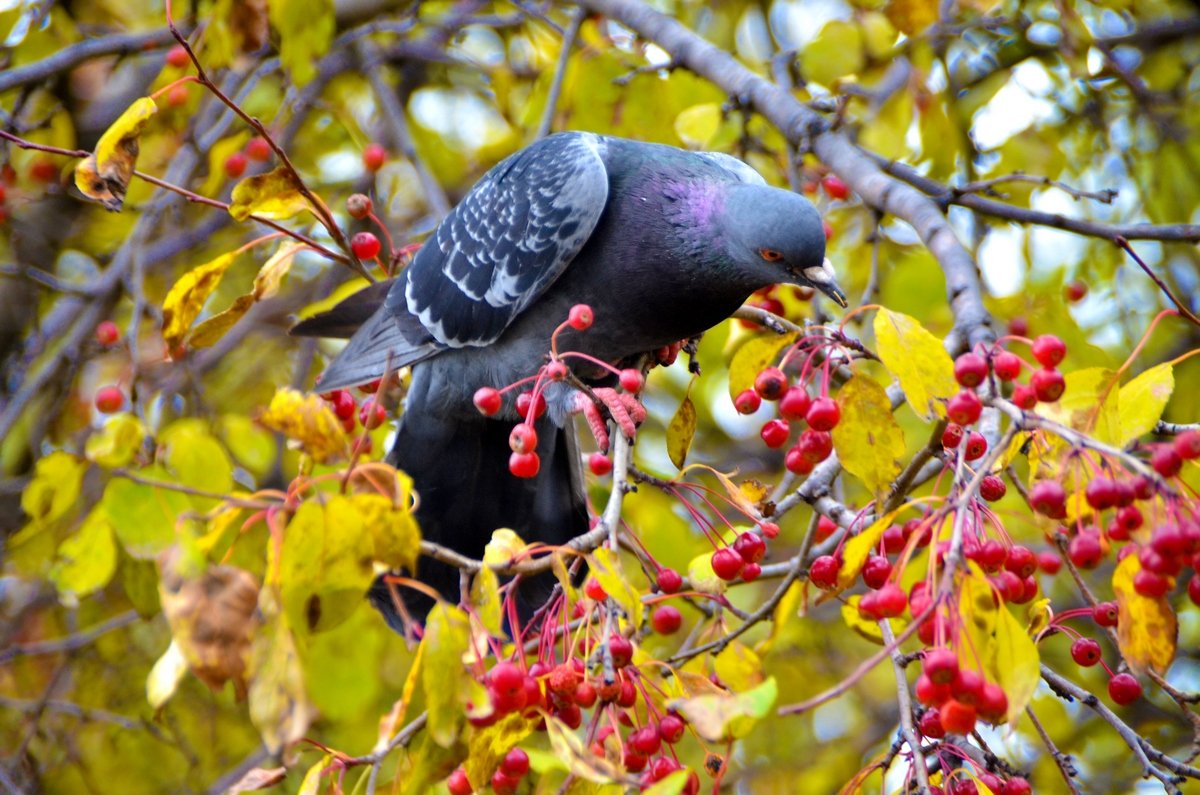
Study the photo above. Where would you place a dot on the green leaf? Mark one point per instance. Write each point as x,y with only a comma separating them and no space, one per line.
680,432
325,563
1142,401
606,568
305,32
918,360
752,357
728,716
447,638
197,459
142,515
88,559
868,439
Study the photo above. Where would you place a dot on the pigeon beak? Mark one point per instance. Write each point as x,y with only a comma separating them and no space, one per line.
824,279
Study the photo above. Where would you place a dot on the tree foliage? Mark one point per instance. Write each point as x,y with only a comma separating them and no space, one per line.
878,551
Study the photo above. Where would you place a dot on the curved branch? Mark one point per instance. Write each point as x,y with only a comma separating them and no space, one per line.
70,57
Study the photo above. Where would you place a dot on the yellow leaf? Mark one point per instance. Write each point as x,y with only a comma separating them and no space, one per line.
1080,407
698,125
912,16
397,541
836,52
1142,401
918,361
308,420
738,667
1147,629
680,432
447,638
606,568
485,598
868,439
487,747
54,490
1017,666
863,627
165,676
118,442
104,175
316,777
87,560
858,549
570,748
702,577
728,716
212,330
672,784
752,357
503,548
187,297
273,195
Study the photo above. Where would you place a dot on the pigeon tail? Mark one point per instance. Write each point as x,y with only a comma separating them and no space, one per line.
465,491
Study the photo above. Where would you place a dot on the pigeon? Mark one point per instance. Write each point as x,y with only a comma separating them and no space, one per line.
661,243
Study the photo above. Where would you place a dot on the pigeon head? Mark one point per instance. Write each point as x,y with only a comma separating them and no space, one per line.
778,235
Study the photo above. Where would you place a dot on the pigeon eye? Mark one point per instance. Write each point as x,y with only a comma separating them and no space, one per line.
770,254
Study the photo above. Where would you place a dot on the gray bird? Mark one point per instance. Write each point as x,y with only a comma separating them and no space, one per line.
661,243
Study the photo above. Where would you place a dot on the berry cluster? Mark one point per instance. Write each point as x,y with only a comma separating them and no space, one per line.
794,405
369,414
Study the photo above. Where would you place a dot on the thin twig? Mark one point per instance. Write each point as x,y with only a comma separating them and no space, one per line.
904,701
71,642
560,71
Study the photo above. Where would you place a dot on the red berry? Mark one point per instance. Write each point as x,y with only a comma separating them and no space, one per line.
825,528
970,369
1049,562
372,414
487,400
600,464
976,446
504,784
1048,498
750,546
1085,550
1193,589
507,678
1101,493
1124,689
515,763
992,488
893,539
930,725
1166,461
1106,614
523,438
523,402
993,704
524,465
1024,397
1006,365
671,728
1075,291
952,436
1016,786
967,687
580,317
769,529
374,156
1021,561
365,245
1049,350
991,555
44,170
235,165
940,665
890,600
359,205
751,572
585,695
835,188
1150,585
109,399
957,717
666,620
824,571
775,433
177,96
1085,652
827,228
556,370
815,446
929,693
343,404
458,783
107,333
621,650
594,590
727,564
258,149
1187,445
177,57
823,414
631,381
794,404
876,571
1018,327
646,740
964,408
747,402
1048,385
771,383
669,581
